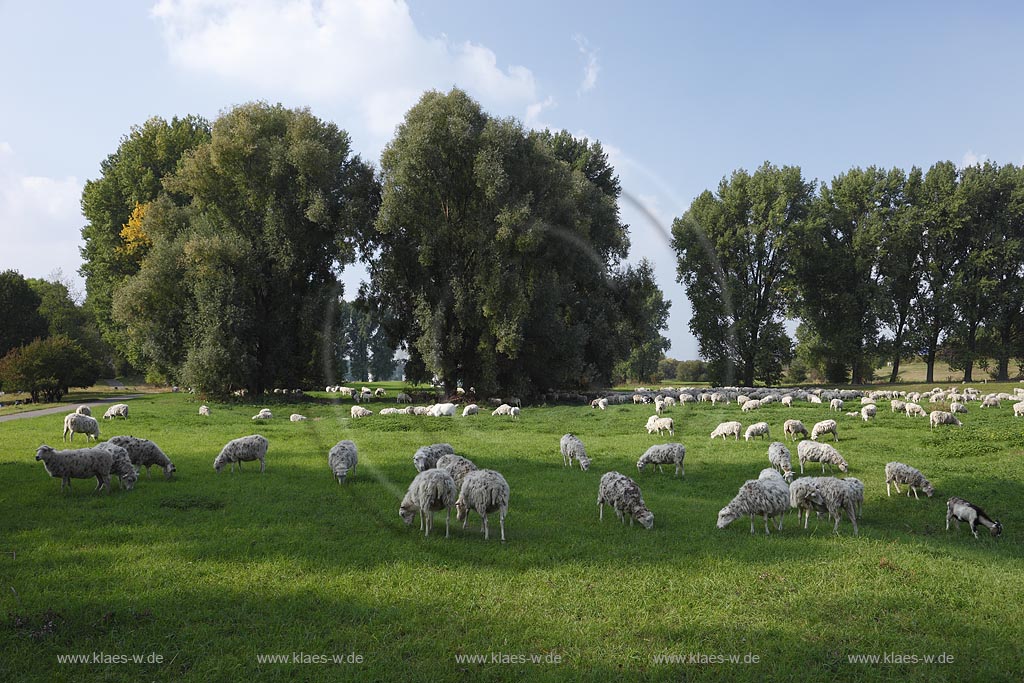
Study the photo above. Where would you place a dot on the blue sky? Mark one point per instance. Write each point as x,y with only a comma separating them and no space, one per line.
681,94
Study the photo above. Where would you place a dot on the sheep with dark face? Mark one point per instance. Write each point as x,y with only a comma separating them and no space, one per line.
144,453
897,473
623,495
768,495
959,510
664,454
243,449
485,491
430,491
81,463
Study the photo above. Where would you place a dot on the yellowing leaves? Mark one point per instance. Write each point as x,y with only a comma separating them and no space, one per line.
133,234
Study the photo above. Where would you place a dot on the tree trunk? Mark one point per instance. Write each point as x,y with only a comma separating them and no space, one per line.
933,347
972,345
1003,369
897,341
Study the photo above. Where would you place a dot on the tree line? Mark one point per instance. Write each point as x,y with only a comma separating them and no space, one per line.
877,264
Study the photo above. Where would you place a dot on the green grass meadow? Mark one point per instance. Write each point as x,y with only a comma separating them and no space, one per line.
211,571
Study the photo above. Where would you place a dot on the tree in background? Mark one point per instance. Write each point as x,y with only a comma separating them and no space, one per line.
48,368
22,321
734,258
644,313
61,307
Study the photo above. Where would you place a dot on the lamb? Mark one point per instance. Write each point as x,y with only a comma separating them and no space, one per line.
768,495
121,465
429,492
868,412
804,496
342,459
897,406
503,409
913,409
82,424
661,424
960,510
471,409
572,448
752,404
756,429
264,414
1018,409
81,463
957,407
897,473
84,410
941,417
485,491
204,411
811,451
623,495
664,454
781,459
824,427
793,427
116,410
836,404
456,466
359,411
425,457
442,410
242,449
727,429
295,417
145,453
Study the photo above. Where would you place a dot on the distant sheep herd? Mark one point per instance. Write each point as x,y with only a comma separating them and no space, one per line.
446,480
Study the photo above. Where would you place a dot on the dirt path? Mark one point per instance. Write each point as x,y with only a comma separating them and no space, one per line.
68,408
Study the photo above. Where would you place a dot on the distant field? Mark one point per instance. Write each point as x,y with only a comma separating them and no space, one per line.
213,572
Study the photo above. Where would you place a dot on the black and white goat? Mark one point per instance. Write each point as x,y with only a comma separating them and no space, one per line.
960,510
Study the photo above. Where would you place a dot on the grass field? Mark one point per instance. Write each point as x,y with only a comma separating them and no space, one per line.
211,572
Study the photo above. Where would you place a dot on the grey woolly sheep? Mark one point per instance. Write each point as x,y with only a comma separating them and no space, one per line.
664,454
941,417
116,410
990,401
757,429
515,412
793,427
812,451
839,497
242,449
824,427
623,495
805,496
957,407
81,463
430,491
359,411
121,465
1018,409
959,510
768,495
727,429
342,459
856,492
403,398
82,424
144,453
456,466
84,410
572,448
781,459
204,411
897,473
425,457
485,491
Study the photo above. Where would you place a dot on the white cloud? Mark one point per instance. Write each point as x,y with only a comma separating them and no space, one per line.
364,54
972,159
533,112
591,69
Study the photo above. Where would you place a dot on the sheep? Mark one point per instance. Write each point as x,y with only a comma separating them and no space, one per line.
359,411
853,413
82,424
912,410
727,429
456,466
868,412
781,459
990,401
836,404
811,451
242,449
787,401
601,403
295,417
768,495
442,410
659,406
804,496
793,427
838,497
116,410
264,414
425,457
514,413
572,448
897,406
960,510
81,463
757,429
669,402
342,459
623,495
741,400
84,410
856,487
1018,409
661,424
121,465
514,401
897,473
824,427
204,411
379,392
941,417
957,407
421,410
391,411
485,491
664,454
145,453
430,491
471,409
811,398
752,404
503,409
403,398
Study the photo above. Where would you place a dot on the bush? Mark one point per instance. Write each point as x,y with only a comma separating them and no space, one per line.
47,368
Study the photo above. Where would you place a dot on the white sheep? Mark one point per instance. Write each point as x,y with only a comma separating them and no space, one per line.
990,401
204,411
752,404
442,410
116,410
359,411
781,459
81,463
295,417
664,454
121,465
81,424
659,405
425,457
623,495
658,425
485,491
793,427
242,449
403,398
812,451
768,495
824,427
868,412
957,407
572,449
514,413
959,510
503,409
456,466
1018,409
145,453
430,491
379,392
941,417
264,414
420,410
342,459
757,429
471,409
897,406
391,411
913,409
897,473
836,404
727,429
84,410
787,401
811,398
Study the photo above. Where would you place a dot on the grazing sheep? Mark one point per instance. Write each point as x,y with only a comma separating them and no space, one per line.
442,410
727,429
659,405
960,510
897,473
811,398
242,449
990,401
805,496
868,412
425,457
359,411
84,410
912,410
824,427
342,459
572,448
812,451
787,401
781,459
471,409
430,491
897,405
116,410
403,398
456,466
664,454
853,413
793,427
768,495
669,402
379,392
81,424
757,429
121,465
856,487
660,424
391,411
204,411
941,417
516,410
264,414
752,404
839,497
957,407
836,404
420,410
295,417
1018,409
485,491
601,403
81,463
623,495
503,409
145,453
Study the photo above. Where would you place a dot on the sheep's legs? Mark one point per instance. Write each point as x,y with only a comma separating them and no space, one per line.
888,490
751,524
897,485
915,493
600,511
487,533
501,519
447,521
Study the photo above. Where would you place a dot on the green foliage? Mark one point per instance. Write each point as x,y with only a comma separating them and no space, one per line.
22,321
47,368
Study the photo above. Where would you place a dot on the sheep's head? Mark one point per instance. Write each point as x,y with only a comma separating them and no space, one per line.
640,465
928,489
407,511
43,451
170,469
997,528
129,478
646,518
219,462
843,467
585,463
726,516
461,509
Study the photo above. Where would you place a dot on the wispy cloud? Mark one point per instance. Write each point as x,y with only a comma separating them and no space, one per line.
591,68
534,110
972,159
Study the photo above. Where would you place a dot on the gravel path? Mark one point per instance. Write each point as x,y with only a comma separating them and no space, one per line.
67,408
